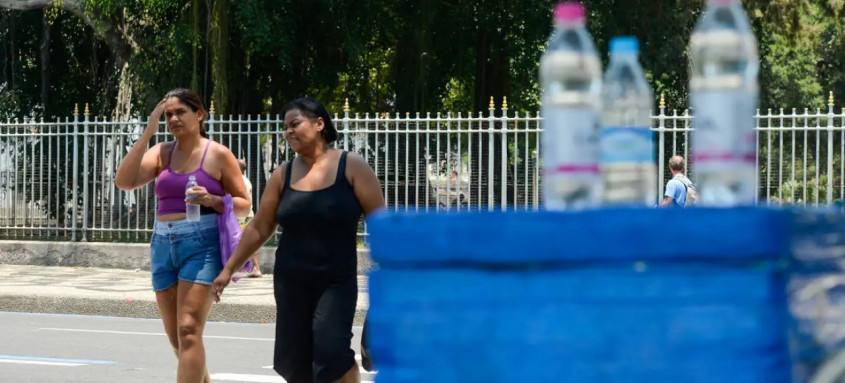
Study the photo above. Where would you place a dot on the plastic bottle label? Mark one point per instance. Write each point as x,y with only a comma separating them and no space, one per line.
627,144
570,141
724,130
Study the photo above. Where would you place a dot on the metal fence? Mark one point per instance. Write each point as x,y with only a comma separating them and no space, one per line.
57,178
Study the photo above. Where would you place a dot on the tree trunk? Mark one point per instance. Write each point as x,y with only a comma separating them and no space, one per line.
207,45
492,69
12,52
195,39
45,58
122,44
123,107
482,54
411,66
4,36
117,38
220,55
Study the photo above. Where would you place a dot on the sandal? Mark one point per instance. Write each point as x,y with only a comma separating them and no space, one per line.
255,273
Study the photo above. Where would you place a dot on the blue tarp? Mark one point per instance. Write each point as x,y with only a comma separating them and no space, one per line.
612,295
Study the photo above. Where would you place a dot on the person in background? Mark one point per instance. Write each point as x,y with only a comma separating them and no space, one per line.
256,266
679,190
318,199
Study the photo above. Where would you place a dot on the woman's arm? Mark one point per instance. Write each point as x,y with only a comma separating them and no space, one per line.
232,181
365,183
140,166
256,233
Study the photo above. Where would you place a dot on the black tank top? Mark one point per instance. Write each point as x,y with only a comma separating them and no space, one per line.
319,228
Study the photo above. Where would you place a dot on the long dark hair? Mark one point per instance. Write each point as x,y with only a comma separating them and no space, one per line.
312,109
193,100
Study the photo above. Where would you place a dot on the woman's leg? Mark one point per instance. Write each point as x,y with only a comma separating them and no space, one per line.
351,376
334,359
294,341
166,300
256,266
193,306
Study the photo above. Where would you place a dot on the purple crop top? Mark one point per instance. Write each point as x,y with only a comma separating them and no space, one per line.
170,186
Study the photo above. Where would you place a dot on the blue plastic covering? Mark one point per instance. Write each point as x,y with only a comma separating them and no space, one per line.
618,295
596,235
817,294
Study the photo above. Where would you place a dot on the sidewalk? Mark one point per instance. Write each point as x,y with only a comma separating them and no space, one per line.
127,293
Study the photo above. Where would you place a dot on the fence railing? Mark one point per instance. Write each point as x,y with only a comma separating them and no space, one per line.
57,178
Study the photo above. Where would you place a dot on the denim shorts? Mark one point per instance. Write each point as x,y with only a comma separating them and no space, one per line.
188,251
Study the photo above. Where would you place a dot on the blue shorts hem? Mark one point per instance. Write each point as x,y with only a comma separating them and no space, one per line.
164,288
199,281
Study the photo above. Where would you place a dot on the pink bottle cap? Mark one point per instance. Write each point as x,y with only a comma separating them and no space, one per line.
570,11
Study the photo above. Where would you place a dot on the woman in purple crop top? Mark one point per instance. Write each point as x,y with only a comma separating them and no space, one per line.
184,256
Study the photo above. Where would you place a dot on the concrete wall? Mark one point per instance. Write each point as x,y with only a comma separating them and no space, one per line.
111,255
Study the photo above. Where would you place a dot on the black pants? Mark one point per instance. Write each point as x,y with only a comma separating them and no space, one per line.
314,327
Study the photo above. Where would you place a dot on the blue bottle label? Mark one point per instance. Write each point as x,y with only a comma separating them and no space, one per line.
627,144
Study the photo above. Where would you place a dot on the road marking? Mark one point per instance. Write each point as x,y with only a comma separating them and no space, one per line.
364,373
247,378
19,359
151,333
41,363
228,377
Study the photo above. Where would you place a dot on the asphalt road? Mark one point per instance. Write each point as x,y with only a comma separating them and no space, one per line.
42,348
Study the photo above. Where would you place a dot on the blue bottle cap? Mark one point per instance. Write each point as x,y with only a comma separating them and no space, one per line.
624,44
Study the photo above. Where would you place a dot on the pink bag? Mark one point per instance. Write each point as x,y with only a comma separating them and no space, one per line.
230,233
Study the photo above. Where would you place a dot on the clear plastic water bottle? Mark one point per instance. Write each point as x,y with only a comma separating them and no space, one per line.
628,170
192,211
724,96
570,76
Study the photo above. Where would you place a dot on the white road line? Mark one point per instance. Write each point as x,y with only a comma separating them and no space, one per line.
62,364
226,377
151,333
358,358
21,359
229,377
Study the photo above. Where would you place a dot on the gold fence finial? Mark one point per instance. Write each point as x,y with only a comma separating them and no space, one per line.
505,102
87,112
492,104
211,110
75,109
346,105
662,101
830,100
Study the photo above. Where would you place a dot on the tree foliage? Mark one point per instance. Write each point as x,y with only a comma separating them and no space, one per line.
395,55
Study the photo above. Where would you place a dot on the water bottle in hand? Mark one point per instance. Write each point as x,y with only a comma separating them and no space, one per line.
192,211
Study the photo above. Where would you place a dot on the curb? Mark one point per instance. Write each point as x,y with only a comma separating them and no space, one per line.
220,312
126,256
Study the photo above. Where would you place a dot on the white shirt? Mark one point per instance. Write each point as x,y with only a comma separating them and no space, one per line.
249,193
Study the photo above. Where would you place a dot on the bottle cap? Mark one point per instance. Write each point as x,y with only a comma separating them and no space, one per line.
624,44
570,11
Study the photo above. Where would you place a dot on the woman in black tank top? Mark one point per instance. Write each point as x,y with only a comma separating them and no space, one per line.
318,199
